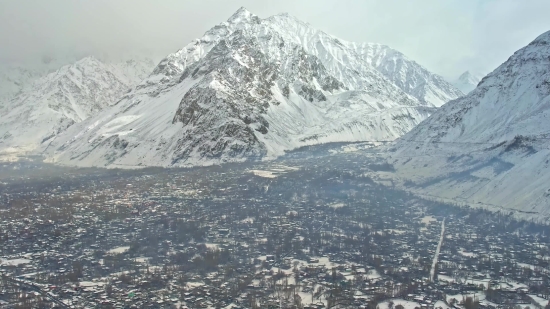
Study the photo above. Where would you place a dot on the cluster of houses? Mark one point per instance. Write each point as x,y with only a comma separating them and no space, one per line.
285,238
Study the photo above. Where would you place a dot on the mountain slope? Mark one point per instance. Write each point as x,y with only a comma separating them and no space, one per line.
250,88
67,96
467,81
407,74
16,77
415,80
490,147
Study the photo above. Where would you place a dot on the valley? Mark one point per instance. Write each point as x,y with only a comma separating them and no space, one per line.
314,229
270,164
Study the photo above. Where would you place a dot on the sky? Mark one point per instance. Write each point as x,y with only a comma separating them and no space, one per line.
446,36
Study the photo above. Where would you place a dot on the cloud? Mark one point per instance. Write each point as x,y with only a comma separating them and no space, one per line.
448,37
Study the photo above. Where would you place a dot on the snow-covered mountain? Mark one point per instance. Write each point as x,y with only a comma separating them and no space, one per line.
468,81
253,88
407,74
490,147
15,77
20,76
52,103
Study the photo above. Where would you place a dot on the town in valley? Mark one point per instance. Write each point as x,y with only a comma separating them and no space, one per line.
311,230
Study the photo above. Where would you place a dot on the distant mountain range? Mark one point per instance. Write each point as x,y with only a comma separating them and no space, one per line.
40,105
490,147
253,88
467,81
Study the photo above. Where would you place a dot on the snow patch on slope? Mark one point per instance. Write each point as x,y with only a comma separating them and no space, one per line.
62,98
250,89
491,147
468,81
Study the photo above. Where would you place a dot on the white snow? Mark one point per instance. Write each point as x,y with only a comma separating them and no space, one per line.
428,219
14,262
119,250
468,81
264,174
539,300
212,246
89,284
476,149
304,87
49,104
405,303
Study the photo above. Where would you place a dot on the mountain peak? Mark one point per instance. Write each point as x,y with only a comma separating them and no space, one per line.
468,81
241,14
57,100
240,93
87,60
287,17
542,39
465,75
469,75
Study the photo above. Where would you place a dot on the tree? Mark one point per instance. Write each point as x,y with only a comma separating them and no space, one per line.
399,307
471,303
313,286
297,301
319,292
108,289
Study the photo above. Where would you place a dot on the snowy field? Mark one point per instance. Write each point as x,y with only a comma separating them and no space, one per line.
14,262
274,172
119,250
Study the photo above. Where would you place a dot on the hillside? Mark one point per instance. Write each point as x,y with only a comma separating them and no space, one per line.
251,89
490,147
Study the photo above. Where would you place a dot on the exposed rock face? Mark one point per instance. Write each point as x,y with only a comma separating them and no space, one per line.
408,75
251,88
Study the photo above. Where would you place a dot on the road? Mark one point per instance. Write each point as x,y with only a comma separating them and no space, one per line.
436,256
34,287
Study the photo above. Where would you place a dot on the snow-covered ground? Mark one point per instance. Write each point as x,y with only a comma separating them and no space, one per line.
119,250
14,262
212,246
407,304
428,219
274,171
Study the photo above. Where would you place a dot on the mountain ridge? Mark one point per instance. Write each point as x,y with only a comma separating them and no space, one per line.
249,88
475,149
468,81
54,102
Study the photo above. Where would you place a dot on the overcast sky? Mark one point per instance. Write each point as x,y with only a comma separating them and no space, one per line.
446,36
